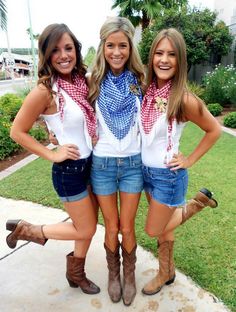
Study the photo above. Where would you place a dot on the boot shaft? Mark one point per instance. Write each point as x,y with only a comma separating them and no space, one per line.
129,284
76,276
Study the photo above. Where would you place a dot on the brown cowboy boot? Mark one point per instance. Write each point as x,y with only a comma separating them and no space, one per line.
76,276
202,199
166,273
113,264
129,287
22,230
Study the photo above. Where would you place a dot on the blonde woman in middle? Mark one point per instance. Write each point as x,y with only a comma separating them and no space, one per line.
116,86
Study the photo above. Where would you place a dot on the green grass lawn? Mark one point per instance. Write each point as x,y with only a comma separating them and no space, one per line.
205,247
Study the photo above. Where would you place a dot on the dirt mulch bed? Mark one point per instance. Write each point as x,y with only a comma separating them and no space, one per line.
11,160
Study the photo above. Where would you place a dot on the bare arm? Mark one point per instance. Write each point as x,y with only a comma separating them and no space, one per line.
36,103
207,123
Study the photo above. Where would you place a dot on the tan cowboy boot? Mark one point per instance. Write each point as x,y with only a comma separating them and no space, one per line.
129,287
113,264
202,199
22,230
166,273
76,276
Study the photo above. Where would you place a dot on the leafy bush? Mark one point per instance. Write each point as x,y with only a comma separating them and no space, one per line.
195,88
230,120
7,145
9,105
220,85
215,109
39,133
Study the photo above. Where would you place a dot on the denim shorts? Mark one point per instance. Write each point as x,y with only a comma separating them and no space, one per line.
112,174
71,178
166,186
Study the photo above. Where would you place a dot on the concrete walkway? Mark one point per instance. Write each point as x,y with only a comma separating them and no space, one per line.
33,276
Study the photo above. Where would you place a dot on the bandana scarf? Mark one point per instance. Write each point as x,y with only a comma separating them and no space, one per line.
78,91
117,102
153,106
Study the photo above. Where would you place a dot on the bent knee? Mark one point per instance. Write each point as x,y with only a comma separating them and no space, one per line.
153,232
86,233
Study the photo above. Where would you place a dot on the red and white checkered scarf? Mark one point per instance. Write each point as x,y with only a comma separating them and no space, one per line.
151,109
78,91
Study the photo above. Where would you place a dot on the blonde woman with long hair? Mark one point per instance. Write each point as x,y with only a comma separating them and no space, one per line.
116,86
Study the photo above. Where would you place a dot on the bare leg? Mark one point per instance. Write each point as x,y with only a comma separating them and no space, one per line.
128,209
108,204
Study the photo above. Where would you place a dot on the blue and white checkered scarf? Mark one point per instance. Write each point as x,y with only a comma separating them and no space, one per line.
117,102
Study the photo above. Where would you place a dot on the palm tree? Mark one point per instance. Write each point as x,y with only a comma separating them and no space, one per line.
3,15
142,12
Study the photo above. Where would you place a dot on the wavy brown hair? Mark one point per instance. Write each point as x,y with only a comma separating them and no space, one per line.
101,67
46,44
179,81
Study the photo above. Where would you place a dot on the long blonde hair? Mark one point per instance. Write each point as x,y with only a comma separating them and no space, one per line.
179,81
101,67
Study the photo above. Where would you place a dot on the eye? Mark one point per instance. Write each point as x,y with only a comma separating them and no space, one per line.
69,48
172,53
55,50
158,53
109,45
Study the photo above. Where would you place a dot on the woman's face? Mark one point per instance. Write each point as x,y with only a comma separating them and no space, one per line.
63,57
117,51
164,62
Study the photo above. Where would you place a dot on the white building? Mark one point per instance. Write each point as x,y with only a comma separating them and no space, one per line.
227,12
21,65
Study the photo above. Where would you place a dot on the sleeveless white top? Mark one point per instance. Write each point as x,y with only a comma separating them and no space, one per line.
72,129
109,146
154,144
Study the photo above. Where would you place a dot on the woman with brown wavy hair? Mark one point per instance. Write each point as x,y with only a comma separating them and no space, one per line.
61,98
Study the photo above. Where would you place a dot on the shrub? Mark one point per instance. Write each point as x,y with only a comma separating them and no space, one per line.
39,133
9,105
7,145
215,109
195,88
220,85
230,120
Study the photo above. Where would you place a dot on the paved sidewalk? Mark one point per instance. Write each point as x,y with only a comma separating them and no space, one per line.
33,276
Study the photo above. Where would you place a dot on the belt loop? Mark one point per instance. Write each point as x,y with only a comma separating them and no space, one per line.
131,161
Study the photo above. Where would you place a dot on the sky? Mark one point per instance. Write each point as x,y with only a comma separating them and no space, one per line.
84,18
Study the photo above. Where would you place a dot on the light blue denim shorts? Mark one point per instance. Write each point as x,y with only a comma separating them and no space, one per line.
112,174
166,186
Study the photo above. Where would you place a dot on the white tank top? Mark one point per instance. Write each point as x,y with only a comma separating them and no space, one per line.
154,145
73,128
109,146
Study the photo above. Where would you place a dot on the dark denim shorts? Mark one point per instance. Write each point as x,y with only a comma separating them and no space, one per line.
166,186
71,178
112,174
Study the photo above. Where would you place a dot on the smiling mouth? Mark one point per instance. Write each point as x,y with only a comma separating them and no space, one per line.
164,68
64,64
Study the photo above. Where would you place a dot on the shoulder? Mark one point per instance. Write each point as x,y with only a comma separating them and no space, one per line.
39,95
192,104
